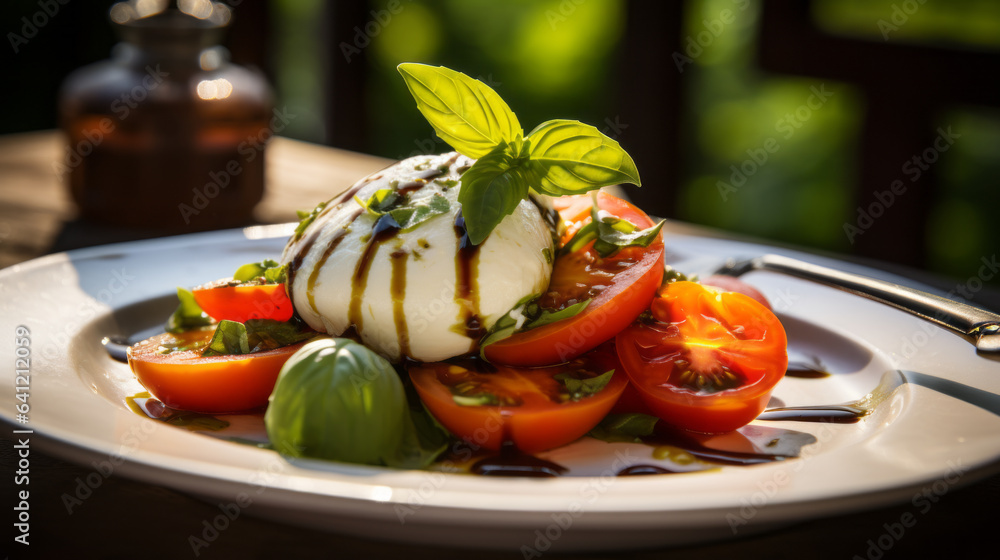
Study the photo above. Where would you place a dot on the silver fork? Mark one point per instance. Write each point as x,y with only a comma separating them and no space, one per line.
978,326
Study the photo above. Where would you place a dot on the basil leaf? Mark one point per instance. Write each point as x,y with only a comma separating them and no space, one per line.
230,338
412,215
256,335
546,316
582,388
268,334
570,157
380,202
464,112
424,438
610,239
276,275
270,270
624,427
404,213
610,234
526,315
491,190
306,218
188,314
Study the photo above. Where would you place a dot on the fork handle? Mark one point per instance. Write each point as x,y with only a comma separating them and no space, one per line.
980,327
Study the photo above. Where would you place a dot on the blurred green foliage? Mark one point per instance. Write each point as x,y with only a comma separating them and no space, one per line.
547,59
554,59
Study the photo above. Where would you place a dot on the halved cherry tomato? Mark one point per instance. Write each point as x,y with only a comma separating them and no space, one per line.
732,284
242,302
172,369
708,359
533,409
620,288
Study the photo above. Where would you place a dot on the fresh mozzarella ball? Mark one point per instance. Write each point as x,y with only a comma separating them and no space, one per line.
415,292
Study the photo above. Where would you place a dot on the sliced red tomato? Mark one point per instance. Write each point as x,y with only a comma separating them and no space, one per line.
242,302
708,359
620,287
172,369
530,407
732,284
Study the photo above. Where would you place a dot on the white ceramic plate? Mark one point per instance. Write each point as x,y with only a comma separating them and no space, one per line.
941,427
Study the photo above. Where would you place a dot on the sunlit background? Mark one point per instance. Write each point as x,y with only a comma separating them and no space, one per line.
562,59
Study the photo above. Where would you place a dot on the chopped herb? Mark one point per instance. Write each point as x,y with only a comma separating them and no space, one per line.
624,427
525,315
256,335
578,388
610,234
267,271
406,212
188,315
306,218
482,399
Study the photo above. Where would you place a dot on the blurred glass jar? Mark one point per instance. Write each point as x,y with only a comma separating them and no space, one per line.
167,135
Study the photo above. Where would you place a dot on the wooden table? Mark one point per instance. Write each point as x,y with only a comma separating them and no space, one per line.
129,519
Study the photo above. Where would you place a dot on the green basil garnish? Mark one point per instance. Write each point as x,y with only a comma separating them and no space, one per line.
558,157
267,271
256,335
610,234
624,427
188,314
578,388
526,315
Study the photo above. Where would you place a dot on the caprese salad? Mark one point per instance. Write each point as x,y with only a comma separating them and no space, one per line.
492,295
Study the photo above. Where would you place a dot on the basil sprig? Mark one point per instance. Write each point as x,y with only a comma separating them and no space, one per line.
610,234
256,335
558,157
525,315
